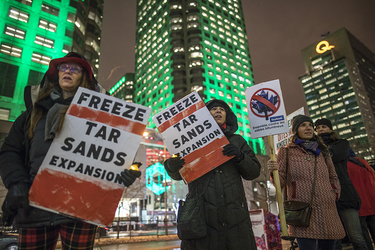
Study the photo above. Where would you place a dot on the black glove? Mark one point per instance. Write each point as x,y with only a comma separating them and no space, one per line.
175,163
231,149
129,176
17,198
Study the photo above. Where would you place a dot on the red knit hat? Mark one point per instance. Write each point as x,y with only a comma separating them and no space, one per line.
52,71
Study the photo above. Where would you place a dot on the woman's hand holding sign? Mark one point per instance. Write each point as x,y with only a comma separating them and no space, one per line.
175,163
129,176
231,149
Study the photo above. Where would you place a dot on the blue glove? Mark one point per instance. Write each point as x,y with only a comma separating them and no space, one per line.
231,149
129,176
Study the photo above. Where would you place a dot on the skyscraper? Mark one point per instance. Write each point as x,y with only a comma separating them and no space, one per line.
124,88
35,31
193,45
339,85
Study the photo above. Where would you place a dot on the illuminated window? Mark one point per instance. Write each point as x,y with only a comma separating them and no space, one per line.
47,25
80,25
11,31
39,58
49,9
18,15
44,41
196,54
11,50
27,2
176,27
91,42
96,18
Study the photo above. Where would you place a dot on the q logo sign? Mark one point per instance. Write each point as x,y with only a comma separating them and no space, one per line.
323,46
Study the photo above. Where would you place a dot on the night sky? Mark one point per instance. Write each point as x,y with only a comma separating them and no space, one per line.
277,31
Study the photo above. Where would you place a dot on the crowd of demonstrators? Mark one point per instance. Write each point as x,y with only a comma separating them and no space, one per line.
363,178
225,206
349,202
304,150
24,150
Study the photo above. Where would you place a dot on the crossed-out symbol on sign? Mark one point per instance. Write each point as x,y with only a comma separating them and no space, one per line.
265,103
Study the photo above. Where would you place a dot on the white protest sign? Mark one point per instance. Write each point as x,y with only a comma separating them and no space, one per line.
79,176
188,129
266,109
283,139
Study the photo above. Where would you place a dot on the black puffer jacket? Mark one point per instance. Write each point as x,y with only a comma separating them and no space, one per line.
339,150
227,216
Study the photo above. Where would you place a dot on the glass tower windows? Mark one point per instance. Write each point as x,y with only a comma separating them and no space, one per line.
47,25
15,32
12,50
18,15
44,41
49,9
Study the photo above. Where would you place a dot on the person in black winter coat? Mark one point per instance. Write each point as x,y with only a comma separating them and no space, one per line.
349,203
225,206
25,147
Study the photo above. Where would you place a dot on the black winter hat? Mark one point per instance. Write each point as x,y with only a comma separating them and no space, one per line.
217,103
323,121
298,119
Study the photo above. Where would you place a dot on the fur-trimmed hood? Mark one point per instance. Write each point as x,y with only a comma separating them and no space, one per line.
231,119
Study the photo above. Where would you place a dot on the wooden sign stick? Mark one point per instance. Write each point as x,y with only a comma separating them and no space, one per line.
279,196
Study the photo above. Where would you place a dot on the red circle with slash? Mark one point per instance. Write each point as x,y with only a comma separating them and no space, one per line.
265,102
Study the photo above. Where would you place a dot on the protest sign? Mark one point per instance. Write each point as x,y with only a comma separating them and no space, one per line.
267,117
79,176
188,129
266,109
283,139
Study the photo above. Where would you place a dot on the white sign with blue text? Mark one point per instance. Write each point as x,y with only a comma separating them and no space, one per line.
266,109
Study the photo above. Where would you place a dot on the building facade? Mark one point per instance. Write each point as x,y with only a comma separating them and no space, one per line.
124,88
33,32
339,85
193,45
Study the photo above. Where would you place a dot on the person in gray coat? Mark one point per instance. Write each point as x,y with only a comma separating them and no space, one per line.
225,206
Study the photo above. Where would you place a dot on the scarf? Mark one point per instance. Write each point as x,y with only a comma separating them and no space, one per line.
56,106
326,137
309,146
223,126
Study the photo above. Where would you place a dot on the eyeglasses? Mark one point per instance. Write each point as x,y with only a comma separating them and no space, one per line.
73,68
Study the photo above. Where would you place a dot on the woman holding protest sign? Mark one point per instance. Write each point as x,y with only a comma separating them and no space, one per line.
227,221
307,171
24,150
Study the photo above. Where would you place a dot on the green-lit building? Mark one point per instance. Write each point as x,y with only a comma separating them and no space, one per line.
124,88
339,85
193,45
35,31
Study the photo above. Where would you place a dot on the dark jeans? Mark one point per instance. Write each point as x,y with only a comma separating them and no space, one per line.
368,225
314,244
352,225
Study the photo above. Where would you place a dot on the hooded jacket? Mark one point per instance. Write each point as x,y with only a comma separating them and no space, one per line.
20,160
225,206
339,150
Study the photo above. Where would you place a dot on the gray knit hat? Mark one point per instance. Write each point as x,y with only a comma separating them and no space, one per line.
298,119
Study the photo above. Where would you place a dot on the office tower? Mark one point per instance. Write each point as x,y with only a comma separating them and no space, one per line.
35,31
124,88
339,85
193,45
